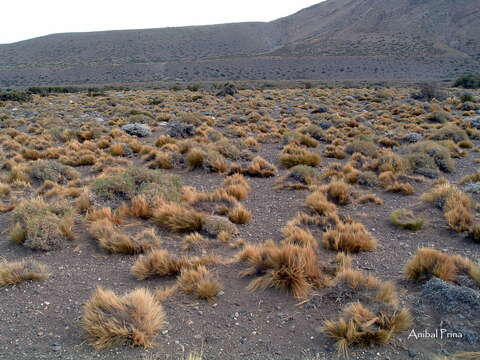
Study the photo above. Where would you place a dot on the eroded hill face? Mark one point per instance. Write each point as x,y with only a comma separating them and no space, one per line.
340,39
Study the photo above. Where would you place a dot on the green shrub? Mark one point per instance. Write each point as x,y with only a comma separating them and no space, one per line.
364,147
467,97
14,95
468,81
42,170
428,92
440,117
405,219
42,226
194,87
451,132
304,174
130,182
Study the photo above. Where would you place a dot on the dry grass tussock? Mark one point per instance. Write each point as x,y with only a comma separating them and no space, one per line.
430,262
296,155
163,263
295,235
42,226
360,326
199,281
288,267
350,236
112,240
13,273
457,206
179,218
133,319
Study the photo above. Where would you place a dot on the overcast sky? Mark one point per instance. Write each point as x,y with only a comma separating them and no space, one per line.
25,19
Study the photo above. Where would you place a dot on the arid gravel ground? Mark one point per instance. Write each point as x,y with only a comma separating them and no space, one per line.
42,319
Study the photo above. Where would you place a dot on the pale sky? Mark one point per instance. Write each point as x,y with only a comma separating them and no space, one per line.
25,19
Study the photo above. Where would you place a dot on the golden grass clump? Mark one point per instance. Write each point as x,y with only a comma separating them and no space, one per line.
351,237
104,213
370,198
318,202
200,282
195,158
193,240
259,167
457,206
295,235
385,291
5,190
339,192
359,326
237,186
179,218
133,319
239,215
289,267
430,262
296,155
162,263
113,241
13,273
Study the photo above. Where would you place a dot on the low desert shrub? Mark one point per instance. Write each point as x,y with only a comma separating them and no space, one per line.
42,226
406,219
112,240
288,267
468,81
200,282
43,170
293,155
133,181
430,262
350,237
133,319
162,263
179,218
366,148
359,326
13,273
457,206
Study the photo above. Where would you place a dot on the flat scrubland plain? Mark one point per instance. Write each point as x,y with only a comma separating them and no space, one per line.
275,224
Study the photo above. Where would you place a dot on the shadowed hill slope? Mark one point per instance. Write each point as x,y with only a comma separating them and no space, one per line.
335,39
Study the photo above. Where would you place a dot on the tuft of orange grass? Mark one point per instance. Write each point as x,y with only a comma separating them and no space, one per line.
13,273
239,215
289,267
200,282
295,235
133,319
104,213
359,326
318,202
163,263
457,206
370,198
112,240
193,240
429,262
339,192
178,218
351,237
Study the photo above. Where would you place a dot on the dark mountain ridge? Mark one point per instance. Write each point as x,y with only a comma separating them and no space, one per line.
335,39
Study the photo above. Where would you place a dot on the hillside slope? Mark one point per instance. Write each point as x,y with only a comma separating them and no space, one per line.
335,39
